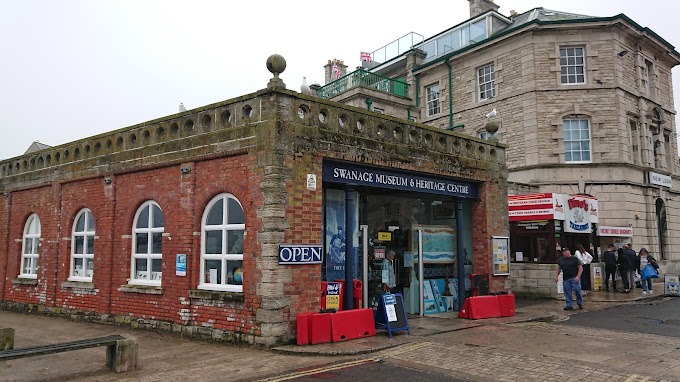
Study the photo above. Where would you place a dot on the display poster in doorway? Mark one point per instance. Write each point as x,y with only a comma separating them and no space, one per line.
439,243
336,224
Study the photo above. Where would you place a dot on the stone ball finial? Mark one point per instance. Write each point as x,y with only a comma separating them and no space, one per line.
491,127
276,64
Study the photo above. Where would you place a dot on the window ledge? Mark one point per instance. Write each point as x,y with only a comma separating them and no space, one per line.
24,281
144,289
78,284
217,295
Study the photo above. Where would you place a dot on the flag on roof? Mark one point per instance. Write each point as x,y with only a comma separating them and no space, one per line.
365,56
336,71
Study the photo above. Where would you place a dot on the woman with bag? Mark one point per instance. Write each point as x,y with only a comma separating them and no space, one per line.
645,260
585,258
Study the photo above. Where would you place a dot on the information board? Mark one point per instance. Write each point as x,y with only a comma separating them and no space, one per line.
500,247
391,315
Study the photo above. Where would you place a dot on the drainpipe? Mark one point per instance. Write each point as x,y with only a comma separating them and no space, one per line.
368,103
450,97
417,97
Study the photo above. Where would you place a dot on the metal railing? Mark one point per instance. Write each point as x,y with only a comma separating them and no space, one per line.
361,77
396,47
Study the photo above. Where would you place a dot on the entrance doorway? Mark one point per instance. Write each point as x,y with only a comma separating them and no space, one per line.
384,226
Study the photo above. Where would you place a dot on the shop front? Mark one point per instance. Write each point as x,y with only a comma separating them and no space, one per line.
540,226
387,215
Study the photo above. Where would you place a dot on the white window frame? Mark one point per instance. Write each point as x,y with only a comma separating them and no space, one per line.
486,82
85,234
150,278
223,257
565,64
30,253
433,105
577,140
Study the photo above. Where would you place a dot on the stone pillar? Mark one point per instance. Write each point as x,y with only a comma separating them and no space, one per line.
6,338
122,356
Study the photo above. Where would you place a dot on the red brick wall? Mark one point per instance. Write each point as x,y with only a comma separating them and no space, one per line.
485,224
41,201
181,197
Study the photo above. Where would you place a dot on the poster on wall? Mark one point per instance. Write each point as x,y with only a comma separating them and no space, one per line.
335,235
439,243
500,246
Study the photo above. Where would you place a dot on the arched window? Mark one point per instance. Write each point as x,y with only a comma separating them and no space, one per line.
147,245
82,247
222,230
31,245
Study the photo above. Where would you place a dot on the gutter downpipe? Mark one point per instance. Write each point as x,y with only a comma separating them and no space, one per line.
446,62
417,97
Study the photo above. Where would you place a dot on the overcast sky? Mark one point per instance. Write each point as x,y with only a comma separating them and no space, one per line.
72,69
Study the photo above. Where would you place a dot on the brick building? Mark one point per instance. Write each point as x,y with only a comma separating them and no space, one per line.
177,223
585,105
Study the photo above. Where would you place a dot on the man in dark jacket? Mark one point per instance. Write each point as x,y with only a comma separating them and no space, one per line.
609,267
632,260
624,266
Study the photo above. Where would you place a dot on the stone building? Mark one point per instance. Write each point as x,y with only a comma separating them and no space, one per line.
585,105
182,223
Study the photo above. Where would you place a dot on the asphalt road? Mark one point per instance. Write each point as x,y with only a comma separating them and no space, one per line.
660,317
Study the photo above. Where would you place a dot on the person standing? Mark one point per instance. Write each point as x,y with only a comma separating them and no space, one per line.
387,269
643,259
632,260
624,266
572,268
609,258
585,258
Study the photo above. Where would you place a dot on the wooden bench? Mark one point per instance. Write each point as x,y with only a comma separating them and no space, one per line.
121,351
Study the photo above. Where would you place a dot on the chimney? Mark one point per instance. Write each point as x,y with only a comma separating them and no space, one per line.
477,7
328,68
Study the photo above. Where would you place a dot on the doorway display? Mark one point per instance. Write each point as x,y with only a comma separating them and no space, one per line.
390,220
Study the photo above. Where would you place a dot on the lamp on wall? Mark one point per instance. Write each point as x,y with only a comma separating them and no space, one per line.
107,180
623,53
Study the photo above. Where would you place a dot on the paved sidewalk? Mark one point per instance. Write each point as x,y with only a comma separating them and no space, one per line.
167,357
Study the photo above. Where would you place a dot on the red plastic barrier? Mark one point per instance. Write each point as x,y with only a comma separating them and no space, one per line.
351,324
303,321
464,312
507,303
320,329
484,307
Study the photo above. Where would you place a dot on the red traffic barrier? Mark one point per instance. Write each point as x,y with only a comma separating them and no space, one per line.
351,324
320,329
507,304
464,312
484,307
303,321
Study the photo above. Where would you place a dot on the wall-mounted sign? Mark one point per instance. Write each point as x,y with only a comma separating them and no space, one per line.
385,236
311,182
181,265
500,247
581,212
300,254
615,231
660,180
379,253
352,173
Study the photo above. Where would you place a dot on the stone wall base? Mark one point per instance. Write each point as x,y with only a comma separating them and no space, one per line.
188,331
